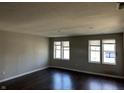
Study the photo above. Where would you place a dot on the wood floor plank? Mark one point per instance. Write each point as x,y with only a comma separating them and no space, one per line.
59,79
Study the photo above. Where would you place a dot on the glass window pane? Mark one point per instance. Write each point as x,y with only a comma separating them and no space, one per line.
108,41
109,57
61,50
109,47
65,43
58,47
94,42
109,52
58,55
95,48
66,48
94,51
95,56
66,54
57,43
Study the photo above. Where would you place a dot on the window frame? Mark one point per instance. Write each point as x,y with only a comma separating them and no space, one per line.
61,50
54,50
114,52
89,51
64,49
102,51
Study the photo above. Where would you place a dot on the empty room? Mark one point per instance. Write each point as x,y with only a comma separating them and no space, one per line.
61,46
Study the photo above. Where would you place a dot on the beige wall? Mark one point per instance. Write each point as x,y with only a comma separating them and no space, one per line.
20,53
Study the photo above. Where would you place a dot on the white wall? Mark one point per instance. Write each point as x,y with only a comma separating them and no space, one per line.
20,53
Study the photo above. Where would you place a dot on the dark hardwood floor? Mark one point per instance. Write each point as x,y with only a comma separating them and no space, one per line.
62,80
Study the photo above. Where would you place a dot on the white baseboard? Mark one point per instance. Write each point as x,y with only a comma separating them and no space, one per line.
6,79
94,73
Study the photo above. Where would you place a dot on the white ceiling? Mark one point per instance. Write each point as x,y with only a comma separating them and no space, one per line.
61,19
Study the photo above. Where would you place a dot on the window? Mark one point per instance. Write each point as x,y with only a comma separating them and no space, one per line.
57,50
94,51
65,47
104,52
61,50
109,51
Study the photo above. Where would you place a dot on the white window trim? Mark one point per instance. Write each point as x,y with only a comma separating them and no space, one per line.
61,51
89,53
103,53
54,53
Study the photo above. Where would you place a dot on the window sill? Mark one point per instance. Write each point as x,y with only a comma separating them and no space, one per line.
94,62
109,64
62,59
